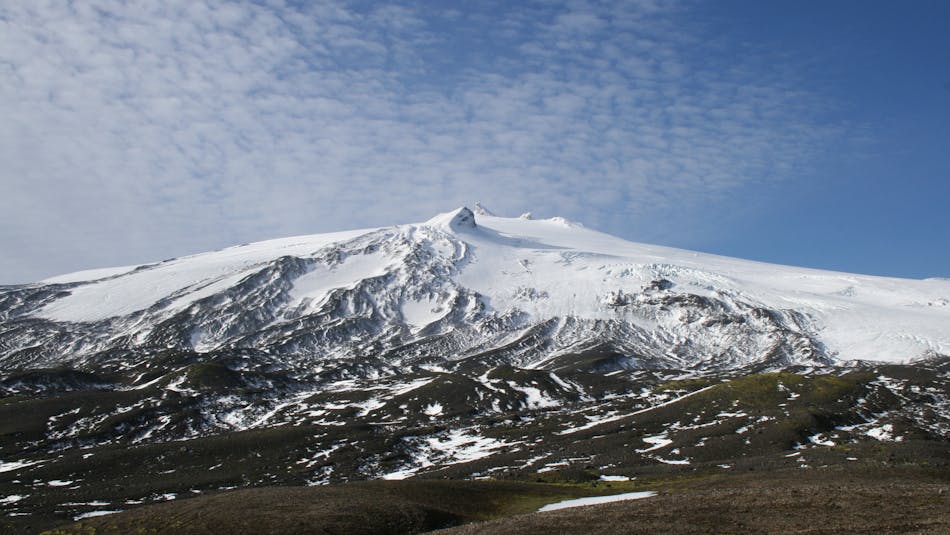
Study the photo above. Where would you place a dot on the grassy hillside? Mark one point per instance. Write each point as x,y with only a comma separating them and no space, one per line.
833,499
365,507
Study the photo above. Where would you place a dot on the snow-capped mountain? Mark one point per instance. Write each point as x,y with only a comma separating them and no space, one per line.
465,346
460,287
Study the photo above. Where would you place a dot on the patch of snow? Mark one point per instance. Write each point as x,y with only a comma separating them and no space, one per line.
295,400
819,440
313,287
672,461
462,447
550,467
883,433
614,478
595,500
418,314
534,397
148,384
487,383
15,465
560,382
532,460
731,415
433,409
321,455
657,441
175,385
321,477
453,447
399,475
92,514
369,406
13,498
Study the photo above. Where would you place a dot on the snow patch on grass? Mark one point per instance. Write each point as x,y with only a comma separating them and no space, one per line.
534,397
92,514
453,447
883,433
595,500
433,409
614,478
657,441
16,465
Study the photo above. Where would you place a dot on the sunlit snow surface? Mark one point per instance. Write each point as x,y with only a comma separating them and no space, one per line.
595,500
193,277
545,269
93,514
88,275
863,317
9,466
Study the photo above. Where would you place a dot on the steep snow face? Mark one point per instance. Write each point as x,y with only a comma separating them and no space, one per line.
182,281
533,293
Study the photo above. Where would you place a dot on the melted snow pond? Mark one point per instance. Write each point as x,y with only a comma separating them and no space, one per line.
594,500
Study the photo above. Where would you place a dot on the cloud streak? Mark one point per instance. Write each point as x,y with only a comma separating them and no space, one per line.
135,131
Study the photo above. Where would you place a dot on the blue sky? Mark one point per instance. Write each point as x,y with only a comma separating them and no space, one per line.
805,133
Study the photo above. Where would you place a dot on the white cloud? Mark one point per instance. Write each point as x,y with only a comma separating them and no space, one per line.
135,131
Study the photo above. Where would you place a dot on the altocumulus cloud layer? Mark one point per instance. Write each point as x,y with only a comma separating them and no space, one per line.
138,130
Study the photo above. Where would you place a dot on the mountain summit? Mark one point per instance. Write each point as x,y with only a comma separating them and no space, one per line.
460,218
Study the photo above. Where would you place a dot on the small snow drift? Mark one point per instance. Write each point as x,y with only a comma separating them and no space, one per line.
596,500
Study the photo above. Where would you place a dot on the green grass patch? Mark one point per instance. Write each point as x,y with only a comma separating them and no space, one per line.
768,390
686,385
